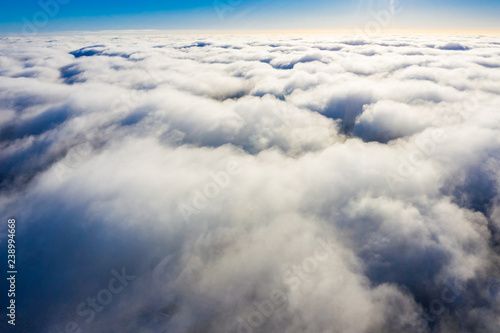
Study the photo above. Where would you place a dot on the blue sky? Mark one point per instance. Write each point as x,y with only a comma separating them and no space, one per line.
73,15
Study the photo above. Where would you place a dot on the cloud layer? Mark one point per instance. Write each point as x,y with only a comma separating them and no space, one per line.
254,183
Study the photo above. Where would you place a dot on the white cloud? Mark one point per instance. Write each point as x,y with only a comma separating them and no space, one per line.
389,150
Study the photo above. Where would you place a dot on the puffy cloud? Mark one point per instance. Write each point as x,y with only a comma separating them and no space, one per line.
388,120
253,183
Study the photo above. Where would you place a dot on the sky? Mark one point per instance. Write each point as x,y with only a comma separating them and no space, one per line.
28,16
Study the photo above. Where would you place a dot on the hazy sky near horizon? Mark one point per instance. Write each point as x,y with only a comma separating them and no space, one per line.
77,15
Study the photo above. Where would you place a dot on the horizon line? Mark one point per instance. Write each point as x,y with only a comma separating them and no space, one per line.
257,31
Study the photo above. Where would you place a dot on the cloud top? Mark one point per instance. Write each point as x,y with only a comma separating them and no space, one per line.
254,183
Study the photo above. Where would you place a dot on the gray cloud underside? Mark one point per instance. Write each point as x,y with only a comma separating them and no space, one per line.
388,149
